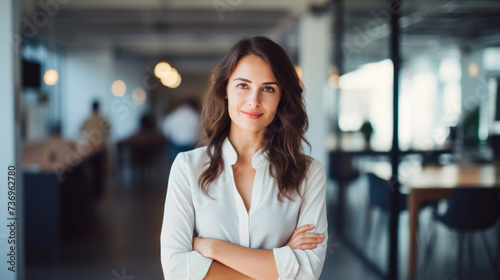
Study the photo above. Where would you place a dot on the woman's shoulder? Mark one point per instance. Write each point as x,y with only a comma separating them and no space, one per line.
314,163
195,160
193,157
316,168
315,177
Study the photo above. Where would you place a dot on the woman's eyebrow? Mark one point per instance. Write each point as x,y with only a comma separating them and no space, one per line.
242,79
248,81
270,83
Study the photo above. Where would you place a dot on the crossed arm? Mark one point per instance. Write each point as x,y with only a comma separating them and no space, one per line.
243,261
220,271
240,262
183,254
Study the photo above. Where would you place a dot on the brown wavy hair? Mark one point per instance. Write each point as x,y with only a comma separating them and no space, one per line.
284,135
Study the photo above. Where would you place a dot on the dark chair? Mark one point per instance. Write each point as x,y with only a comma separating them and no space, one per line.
142,156
145,160
343,172
470,210
379,194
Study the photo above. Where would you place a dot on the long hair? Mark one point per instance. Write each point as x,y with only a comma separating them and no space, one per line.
284,135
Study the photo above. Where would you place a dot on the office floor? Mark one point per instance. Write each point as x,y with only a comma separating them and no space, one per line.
123,243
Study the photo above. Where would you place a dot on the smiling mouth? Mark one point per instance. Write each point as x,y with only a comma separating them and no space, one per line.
252,115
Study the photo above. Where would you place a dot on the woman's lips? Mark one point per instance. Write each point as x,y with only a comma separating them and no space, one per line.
252,115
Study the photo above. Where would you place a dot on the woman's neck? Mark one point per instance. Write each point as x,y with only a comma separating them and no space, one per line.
246,143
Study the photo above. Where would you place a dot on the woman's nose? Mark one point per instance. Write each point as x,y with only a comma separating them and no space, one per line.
254,98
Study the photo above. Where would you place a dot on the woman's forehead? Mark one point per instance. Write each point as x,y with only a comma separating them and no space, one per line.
253,68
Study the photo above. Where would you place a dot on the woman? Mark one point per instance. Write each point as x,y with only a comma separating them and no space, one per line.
244,205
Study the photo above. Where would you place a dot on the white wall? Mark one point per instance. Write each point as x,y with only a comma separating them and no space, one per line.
88,76
124,113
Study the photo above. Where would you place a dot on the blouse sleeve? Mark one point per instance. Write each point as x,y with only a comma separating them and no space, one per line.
178,259
307,264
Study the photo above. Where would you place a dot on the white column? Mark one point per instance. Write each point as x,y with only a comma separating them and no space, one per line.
314,59
9,50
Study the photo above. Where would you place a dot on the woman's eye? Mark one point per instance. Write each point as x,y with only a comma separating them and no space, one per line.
243,86
269,89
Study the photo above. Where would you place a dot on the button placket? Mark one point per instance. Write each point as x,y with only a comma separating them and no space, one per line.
258,162
244,231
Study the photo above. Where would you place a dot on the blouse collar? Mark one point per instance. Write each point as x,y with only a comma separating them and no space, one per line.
231,156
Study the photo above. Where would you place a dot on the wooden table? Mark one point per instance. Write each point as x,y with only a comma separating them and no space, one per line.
432,183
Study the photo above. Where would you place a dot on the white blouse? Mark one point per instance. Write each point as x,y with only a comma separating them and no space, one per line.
269,224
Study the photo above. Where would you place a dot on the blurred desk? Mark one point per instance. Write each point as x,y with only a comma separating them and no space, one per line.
341,160
343,169
432,183
51,155
62,182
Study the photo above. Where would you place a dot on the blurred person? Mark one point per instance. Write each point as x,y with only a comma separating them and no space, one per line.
95,132
180,127
95,129
146,148
245,205
367,130
147,134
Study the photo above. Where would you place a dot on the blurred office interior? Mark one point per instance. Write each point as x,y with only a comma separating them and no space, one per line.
91,201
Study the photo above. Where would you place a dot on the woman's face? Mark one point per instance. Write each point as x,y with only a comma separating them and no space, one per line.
253,94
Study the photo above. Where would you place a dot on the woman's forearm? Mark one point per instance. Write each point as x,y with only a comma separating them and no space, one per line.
220,271
256,263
